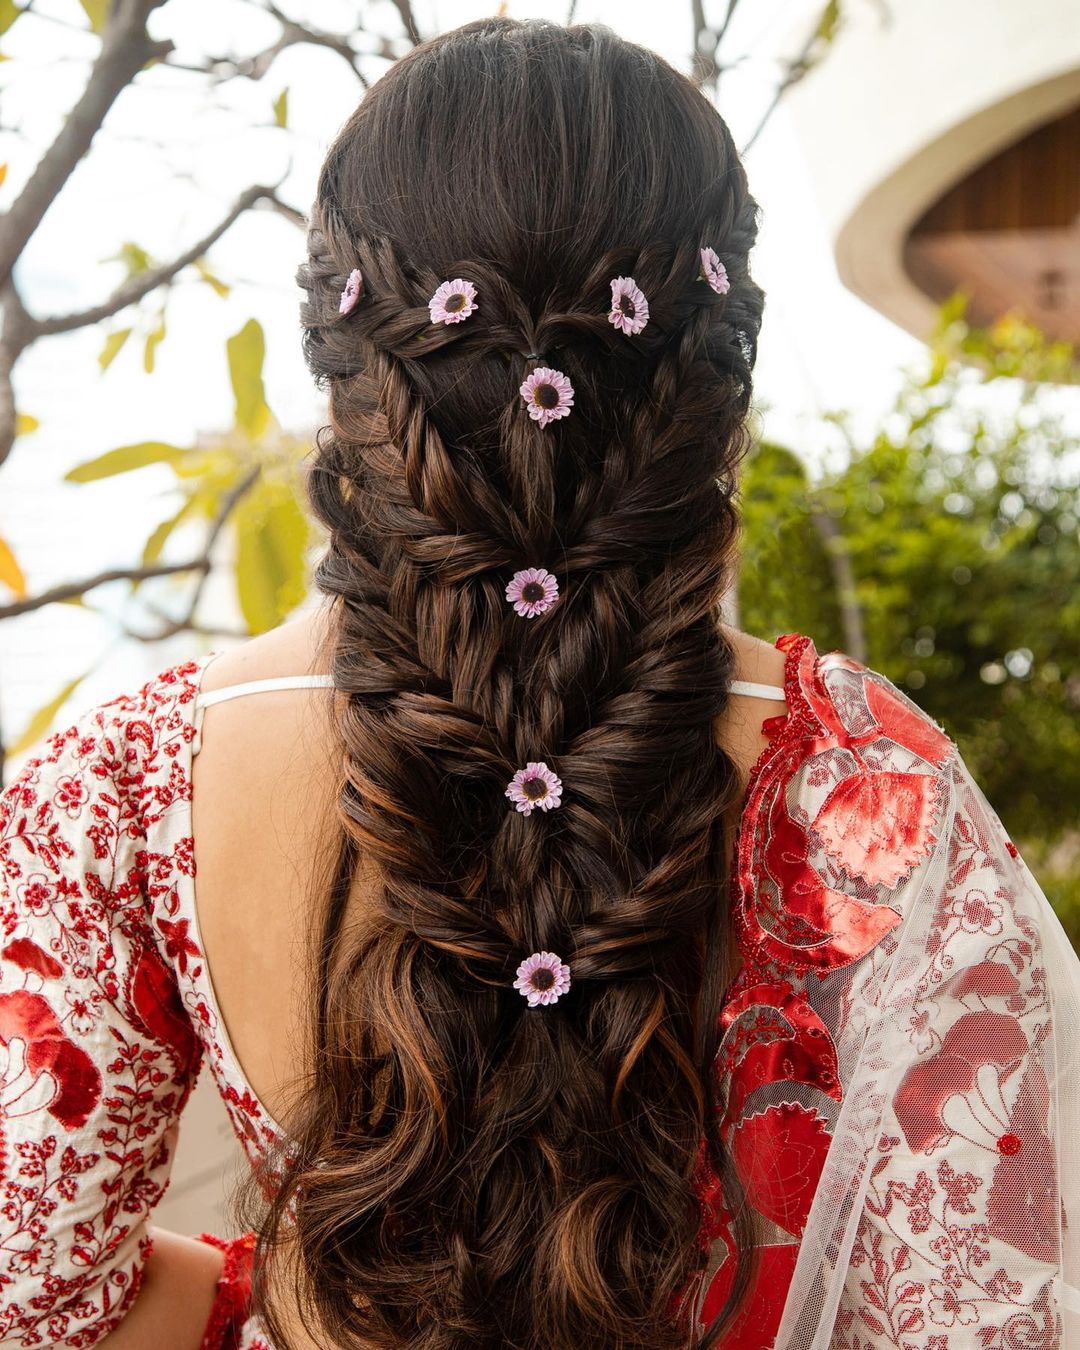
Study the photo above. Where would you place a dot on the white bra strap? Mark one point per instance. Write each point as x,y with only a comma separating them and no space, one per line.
756,690
259,686
750,687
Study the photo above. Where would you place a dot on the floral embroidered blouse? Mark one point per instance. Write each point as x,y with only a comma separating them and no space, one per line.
895,1073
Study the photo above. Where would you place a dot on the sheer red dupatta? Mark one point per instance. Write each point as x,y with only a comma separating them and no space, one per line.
898,1078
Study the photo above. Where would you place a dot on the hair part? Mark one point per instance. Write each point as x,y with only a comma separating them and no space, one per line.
464,1170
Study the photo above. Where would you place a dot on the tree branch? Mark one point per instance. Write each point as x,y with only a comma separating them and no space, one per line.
797,68
72,590
145,282
408,18
170,627
293,34
13,338
705,66
125,49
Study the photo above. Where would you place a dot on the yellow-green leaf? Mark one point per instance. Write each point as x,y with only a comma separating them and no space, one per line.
134,258
25,424
271,537
152,340
43,719
123,459
281,108
246,350
11,574
826,25
97,11
211,280
113,343
9,12
160,535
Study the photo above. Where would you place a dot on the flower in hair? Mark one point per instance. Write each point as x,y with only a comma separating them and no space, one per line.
453,301
714,272
534,786
629,308
548,394
542,978
532,591
350,296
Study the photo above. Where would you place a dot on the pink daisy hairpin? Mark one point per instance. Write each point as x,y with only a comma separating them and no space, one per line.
714,272
548,394
532,591
350,296
542,978
629,308
453,302
534,786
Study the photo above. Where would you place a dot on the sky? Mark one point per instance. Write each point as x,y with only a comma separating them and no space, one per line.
170,159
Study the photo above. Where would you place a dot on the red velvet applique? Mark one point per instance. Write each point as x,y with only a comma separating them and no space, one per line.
802,893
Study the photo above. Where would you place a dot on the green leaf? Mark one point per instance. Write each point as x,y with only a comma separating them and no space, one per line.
25,424
9,12
111,350
11,574
134,258
826,25
211,280
97,11
43,719
124,459
152,340
281,108
246,351
271,537
160,535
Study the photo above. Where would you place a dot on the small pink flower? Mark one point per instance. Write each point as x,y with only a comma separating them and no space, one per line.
548,394
629,308
350,296
532,591
453,301
542,978
534,786
714,272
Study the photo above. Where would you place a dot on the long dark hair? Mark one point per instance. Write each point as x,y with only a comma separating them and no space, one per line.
466,1170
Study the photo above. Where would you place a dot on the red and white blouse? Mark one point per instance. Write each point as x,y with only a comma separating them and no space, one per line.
891,1071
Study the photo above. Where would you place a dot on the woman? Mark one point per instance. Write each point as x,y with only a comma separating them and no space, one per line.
593,974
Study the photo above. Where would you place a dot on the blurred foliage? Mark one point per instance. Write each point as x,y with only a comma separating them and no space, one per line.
945,553
248,478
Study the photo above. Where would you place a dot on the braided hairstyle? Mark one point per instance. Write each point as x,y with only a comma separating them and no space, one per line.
468,1170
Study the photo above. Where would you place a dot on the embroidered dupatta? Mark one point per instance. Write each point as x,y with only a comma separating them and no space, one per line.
899,1070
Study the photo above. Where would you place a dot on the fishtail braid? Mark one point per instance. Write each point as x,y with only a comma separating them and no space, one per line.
468,1170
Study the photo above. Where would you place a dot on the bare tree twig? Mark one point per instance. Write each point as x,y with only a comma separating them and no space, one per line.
125,49
705,64
797,68
408,18
72,590
13,338
170,627
145,282
293,34
290,213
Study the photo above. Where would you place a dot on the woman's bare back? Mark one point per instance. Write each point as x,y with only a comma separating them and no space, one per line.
264,821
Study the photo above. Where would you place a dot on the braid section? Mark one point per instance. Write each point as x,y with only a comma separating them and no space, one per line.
469,1170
